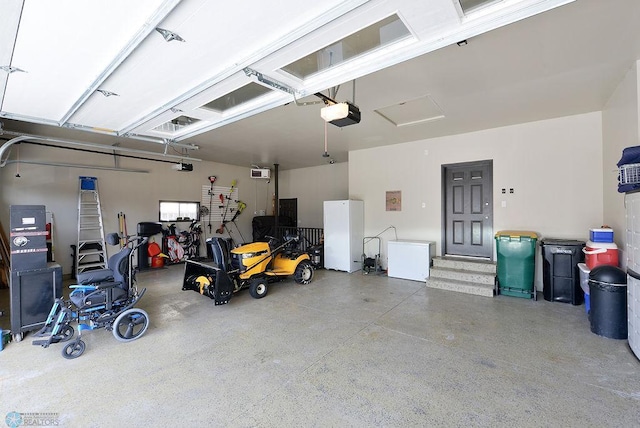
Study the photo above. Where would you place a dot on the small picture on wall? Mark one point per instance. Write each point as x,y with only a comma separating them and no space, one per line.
394,200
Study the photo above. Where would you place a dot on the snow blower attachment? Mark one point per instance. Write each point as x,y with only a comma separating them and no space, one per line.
205,280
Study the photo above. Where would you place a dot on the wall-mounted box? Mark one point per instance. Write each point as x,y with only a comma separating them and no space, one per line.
261,173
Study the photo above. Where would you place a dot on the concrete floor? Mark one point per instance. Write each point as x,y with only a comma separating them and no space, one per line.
344,351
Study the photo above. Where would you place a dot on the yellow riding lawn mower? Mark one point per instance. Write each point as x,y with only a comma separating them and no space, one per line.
253,266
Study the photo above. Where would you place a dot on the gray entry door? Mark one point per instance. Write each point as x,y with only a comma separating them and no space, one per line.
469,209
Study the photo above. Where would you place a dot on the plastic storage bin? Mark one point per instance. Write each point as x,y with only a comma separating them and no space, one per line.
601,235
600,253
608,291
516,262
560,276
584,284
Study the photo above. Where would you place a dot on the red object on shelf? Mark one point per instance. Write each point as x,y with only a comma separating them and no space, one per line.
48,228
600,253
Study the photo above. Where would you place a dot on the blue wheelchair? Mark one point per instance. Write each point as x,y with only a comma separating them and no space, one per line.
103,298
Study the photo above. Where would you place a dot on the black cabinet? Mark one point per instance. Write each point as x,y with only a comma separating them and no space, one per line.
32,295
28,236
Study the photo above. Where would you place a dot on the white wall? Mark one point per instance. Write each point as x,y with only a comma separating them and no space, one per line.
554,166
620,129
135,194
312,186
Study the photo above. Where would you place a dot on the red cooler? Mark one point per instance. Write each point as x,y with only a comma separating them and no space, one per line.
600,253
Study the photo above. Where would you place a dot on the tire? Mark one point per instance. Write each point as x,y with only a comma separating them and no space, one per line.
66,333
130,325
258,288
304,272
73,349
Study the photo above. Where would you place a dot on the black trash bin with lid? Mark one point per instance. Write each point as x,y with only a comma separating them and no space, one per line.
608,294
560,274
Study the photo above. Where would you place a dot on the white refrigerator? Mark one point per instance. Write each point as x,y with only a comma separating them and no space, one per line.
343,235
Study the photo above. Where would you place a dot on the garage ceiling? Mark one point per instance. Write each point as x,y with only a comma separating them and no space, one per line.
236,79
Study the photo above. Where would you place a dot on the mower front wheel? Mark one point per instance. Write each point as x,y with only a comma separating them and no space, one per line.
258,288
304,272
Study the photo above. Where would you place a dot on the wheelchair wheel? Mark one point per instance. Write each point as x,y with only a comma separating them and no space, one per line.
73,349
66,333
130,325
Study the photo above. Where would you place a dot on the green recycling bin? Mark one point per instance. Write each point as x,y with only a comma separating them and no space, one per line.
516,251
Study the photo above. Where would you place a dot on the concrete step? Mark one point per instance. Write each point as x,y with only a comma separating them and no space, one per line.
464,263
461,286
463,275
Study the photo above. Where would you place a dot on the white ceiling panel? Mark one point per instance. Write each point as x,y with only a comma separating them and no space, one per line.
214,45
71,48
64,46
525,60
9,21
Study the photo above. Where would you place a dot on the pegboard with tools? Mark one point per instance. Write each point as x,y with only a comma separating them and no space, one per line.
221,203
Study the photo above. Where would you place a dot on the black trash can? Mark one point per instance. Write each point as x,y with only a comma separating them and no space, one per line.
560,274
608,294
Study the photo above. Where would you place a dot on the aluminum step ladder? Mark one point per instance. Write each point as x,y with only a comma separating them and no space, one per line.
91,252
